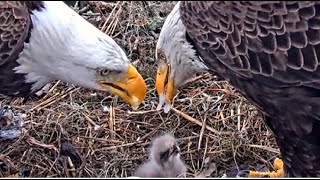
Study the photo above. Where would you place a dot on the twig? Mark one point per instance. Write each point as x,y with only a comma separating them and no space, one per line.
141,112
119,146
102,139
71,166
277,151
51,89
195,78
112,117
205,152
114,19
84,9
36,142
191,119
52,100
202,129
110,15
91,121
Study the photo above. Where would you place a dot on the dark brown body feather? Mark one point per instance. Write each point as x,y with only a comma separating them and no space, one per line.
269,51
15,26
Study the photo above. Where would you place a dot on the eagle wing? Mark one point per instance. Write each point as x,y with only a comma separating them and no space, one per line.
269,51
14,28
277,43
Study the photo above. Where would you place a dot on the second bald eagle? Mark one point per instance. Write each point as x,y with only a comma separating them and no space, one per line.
269,51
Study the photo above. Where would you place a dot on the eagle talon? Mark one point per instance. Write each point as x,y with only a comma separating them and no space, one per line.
278,173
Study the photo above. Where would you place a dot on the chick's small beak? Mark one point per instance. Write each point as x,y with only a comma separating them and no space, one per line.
165,84
131,89
175,149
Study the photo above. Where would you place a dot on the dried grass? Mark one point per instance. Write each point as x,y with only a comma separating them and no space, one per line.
210,119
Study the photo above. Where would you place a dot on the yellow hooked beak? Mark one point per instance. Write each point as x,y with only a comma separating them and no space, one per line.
131,89
164,83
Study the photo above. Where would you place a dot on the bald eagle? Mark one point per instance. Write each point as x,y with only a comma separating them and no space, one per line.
268,50
43,41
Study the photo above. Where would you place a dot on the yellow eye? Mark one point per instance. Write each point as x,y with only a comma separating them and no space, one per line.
104,72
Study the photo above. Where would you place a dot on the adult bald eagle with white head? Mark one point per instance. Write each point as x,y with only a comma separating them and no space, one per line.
42,41
268,50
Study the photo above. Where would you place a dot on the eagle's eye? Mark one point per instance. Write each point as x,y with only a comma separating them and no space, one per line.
104,72
107,72
161,56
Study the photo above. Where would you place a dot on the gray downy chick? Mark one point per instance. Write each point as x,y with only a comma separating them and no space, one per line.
164,159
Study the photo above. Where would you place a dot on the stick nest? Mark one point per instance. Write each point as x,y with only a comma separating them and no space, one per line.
76,132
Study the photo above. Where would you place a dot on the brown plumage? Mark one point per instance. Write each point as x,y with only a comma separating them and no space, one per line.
15,26
164,160
270,52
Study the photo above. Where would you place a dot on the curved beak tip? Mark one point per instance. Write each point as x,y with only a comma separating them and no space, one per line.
134,107
165,88
167,108
132,89
136,103
137,88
